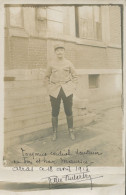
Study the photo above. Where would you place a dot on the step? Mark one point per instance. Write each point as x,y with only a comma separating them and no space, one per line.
24,92
14,102
41,126
25,110
23,84
20,110
25,74
31,120
35,132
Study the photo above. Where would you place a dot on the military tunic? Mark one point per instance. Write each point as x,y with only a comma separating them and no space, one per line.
61,74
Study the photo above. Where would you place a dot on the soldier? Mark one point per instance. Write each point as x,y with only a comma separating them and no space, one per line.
61,80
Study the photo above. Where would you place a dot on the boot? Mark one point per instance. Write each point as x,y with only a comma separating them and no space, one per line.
54,125
70,127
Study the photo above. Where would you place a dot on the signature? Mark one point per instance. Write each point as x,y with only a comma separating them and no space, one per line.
71,178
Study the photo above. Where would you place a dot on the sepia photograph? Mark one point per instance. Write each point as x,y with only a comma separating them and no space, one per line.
63,85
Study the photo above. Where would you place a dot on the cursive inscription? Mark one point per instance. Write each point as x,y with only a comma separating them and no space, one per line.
82,177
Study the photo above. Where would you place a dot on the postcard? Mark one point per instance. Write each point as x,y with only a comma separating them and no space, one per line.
62,123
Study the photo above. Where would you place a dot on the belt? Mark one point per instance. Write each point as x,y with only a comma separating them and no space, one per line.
60,82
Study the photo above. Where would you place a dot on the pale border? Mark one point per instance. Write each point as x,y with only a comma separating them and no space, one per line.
5,173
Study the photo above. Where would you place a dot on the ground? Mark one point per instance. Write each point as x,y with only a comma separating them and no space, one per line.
98,144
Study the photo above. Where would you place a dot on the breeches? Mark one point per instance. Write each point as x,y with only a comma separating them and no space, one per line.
67,102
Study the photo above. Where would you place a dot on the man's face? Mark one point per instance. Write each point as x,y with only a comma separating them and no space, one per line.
60,52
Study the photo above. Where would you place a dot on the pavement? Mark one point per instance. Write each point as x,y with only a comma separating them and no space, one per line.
96,144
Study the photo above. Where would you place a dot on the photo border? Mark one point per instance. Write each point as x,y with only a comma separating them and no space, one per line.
6,172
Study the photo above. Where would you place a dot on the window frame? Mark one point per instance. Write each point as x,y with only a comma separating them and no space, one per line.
36,13
78,29
22,18
39,21
97,82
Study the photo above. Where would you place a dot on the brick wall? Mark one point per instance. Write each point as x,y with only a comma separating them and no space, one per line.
25,53
115,24
37,54
18,52
114,58
7,63
88,57
31,52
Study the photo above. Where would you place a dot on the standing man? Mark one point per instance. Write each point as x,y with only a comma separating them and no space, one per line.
61,80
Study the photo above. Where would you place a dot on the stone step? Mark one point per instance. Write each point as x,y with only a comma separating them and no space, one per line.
24,92
33,128
25,74
15,102
35,132
22,122
23,84
20,110
25,110
11,125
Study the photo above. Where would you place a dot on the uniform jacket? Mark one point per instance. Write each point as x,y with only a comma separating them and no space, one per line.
61,74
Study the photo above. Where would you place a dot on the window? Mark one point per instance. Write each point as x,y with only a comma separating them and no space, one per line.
55,19
88,22
41,13
41,19
66,20
16,16
93,81
50,19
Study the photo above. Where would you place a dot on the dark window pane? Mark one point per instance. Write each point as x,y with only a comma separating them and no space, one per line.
89,19
93,81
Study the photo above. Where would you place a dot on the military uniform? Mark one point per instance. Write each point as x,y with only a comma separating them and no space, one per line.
61,80
61,75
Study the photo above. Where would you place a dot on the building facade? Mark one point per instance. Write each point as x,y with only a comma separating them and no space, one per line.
92,38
